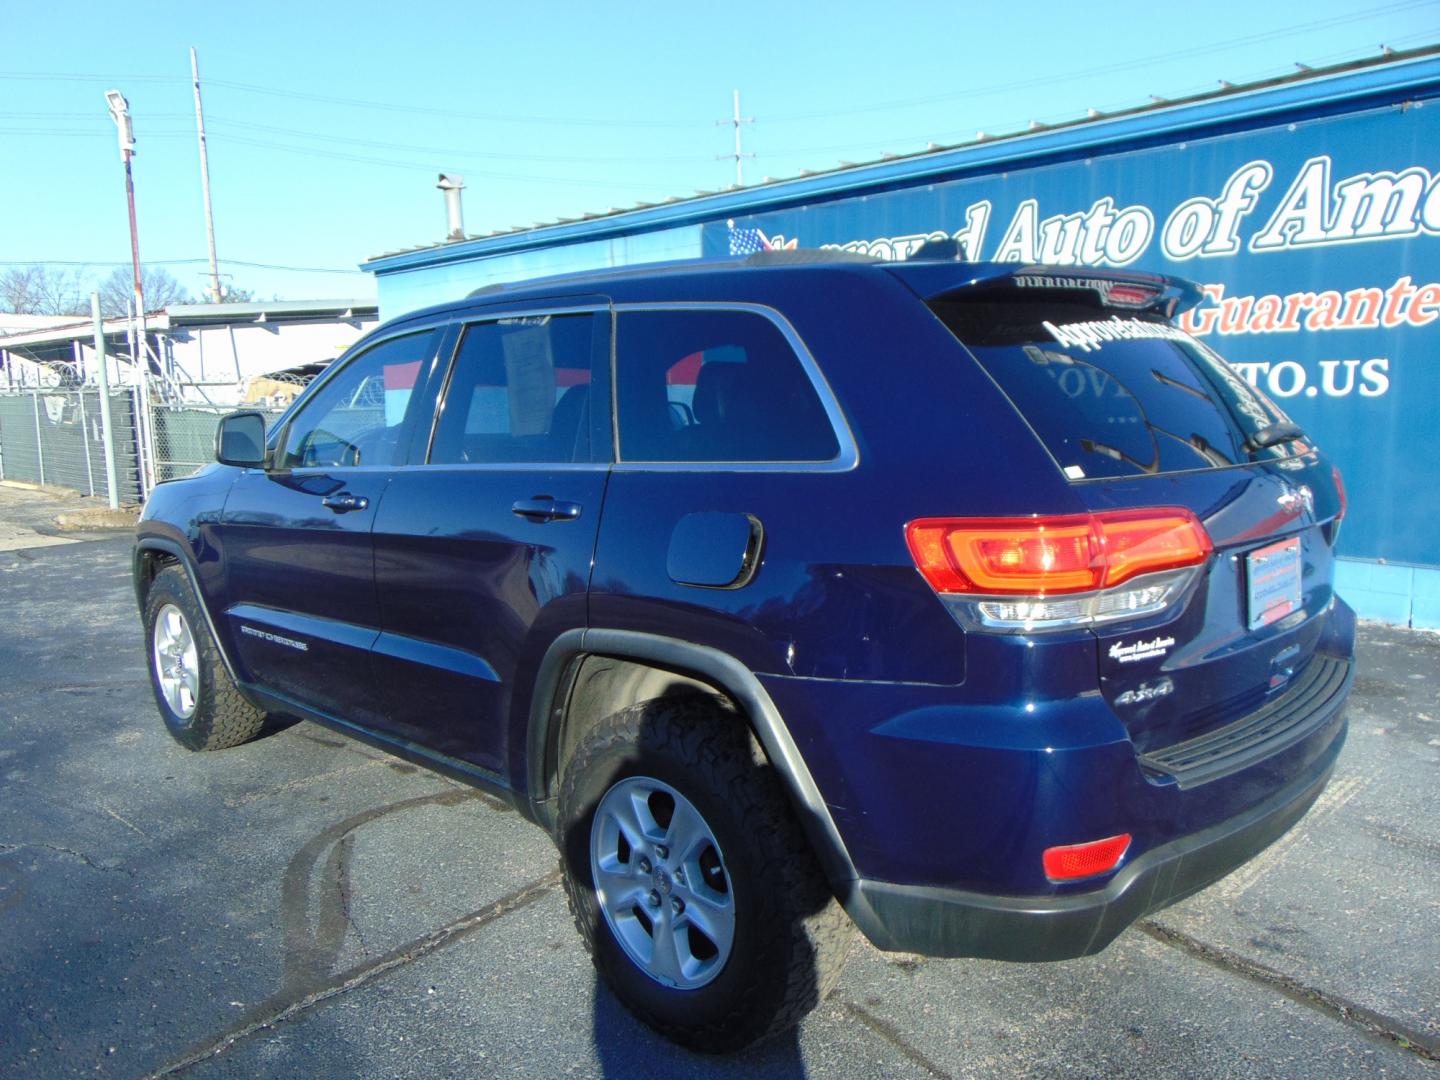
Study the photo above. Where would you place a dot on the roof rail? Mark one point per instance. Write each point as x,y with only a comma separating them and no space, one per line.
807,256
792,257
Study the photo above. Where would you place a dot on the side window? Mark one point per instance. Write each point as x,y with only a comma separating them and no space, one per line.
715,385
519,391
358,416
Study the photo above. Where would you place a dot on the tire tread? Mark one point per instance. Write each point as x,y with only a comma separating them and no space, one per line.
223,717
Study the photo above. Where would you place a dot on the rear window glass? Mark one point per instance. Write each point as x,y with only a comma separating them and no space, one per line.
1113,393
519,392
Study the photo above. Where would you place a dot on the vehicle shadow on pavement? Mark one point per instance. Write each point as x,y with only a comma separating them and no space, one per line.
627,1048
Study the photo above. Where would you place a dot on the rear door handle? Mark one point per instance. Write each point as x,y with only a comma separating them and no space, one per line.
345,502
545,508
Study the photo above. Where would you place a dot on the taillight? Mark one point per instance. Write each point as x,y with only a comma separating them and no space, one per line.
1074,861
1340,490
1067,568
1040,556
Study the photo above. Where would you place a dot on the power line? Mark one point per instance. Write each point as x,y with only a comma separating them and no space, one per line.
442,158
995,126
386,106
83,115
990,89
1052,78
101,263
449,150
390,106
449,159
86,76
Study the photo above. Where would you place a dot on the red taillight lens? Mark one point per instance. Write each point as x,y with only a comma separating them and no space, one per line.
1040,556
1142,541
1074,861
1340,489
1048,555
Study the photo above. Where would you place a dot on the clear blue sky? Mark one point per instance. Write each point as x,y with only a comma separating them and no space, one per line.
329,122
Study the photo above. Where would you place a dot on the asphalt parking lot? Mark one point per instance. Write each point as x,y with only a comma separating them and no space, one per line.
305,905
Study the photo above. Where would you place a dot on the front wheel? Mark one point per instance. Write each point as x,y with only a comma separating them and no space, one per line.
199,703
690,880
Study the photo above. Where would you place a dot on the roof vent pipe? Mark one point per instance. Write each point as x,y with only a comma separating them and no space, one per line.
455,223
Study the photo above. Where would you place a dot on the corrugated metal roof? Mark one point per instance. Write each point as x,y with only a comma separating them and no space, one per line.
74,329
190,313
1228,101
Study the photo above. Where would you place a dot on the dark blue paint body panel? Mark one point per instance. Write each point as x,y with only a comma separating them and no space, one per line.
288,555
472,600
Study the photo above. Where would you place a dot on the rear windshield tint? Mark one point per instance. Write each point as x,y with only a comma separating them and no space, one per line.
1113,393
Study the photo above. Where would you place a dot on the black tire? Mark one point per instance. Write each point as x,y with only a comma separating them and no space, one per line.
790,936
214,715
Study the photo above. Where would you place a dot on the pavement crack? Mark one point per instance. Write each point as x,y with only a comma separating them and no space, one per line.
891,1034
6,849
1332,1005
285,1006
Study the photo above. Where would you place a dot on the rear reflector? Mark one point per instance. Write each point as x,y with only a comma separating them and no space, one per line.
1085,860
1042,556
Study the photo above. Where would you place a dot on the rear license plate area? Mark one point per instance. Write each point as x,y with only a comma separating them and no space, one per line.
1272,581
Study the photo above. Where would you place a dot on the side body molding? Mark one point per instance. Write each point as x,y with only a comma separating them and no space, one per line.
724,672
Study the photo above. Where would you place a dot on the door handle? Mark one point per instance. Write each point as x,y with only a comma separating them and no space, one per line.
344,502
545,508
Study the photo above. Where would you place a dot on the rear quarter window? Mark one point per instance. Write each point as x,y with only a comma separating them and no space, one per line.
716,385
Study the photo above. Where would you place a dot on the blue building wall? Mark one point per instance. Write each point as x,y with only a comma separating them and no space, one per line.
1310,211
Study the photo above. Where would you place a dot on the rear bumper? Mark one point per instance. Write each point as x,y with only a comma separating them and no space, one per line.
949,922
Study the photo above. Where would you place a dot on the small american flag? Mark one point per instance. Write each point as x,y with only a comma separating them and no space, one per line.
747,241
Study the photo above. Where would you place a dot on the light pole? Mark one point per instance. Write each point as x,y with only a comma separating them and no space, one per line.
120,113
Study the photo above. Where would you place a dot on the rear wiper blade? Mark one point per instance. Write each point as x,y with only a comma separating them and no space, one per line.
1090,446
1273,434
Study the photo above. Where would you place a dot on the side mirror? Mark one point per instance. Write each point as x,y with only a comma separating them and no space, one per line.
240,440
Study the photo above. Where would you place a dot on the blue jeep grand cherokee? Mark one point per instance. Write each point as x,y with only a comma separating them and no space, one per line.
972,605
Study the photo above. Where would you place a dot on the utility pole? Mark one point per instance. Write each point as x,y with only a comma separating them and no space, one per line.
736,121
120,113
205,181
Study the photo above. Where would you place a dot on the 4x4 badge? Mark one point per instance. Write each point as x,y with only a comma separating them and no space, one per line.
1146,692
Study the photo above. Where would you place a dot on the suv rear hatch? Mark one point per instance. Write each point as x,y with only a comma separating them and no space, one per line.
1137,415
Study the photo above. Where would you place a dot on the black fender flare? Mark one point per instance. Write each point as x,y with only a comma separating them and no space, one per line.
728,675
182,554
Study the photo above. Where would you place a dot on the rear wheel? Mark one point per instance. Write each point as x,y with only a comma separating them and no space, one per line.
197,699
690,880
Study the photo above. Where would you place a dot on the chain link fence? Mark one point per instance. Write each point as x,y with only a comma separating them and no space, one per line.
184,436
54,437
